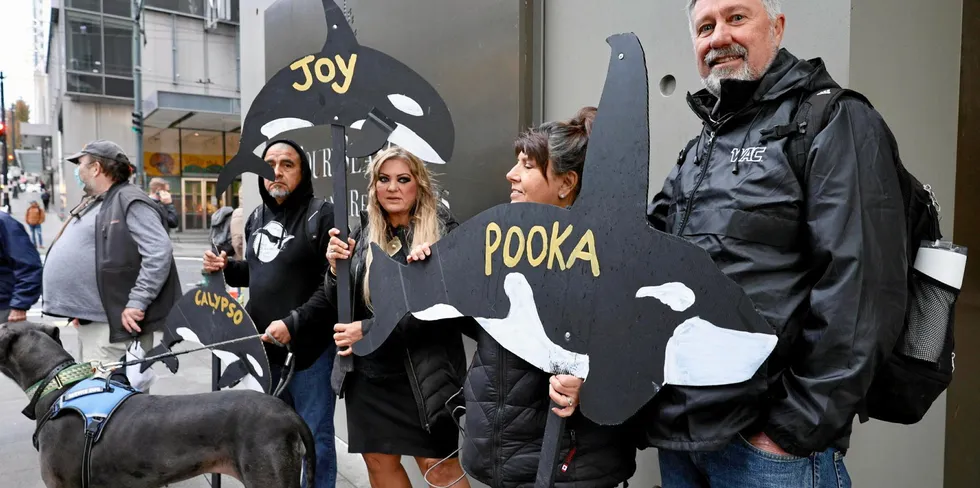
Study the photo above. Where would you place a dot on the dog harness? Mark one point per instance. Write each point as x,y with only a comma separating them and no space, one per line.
95,399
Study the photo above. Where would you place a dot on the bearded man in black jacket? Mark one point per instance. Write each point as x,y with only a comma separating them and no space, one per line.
283,269
822,257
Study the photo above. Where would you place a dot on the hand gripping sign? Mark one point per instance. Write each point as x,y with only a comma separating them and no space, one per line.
591,290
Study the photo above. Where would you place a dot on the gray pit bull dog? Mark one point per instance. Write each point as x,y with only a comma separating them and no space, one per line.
152,441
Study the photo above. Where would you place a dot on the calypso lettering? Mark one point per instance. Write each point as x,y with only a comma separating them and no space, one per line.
219,303
346,69
537,245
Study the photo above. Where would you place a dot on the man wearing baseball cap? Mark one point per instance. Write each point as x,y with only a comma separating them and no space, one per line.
110,271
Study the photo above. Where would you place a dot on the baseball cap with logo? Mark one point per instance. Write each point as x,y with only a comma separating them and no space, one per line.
102,149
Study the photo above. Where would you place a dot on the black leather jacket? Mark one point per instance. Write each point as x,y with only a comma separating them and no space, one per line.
430,354
823,258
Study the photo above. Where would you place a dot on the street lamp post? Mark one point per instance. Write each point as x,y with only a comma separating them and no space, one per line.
138,92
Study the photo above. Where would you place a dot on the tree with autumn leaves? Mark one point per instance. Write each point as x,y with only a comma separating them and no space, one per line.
19,112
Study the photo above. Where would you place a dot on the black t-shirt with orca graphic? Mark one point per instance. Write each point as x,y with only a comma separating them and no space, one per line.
283,270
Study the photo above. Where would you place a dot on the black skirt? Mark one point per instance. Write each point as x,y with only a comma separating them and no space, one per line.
383,418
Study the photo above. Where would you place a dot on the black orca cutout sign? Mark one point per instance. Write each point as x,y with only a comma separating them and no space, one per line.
208,315
374,96
591,290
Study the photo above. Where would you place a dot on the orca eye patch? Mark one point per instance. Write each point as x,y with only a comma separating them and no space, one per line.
406,104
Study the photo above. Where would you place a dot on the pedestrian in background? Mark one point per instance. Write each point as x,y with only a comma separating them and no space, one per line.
20,271
160,193
34,217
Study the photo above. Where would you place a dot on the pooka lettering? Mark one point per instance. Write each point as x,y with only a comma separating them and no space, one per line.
344,67
537,245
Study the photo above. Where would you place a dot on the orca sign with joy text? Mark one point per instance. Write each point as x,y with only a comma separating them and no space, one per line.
374,96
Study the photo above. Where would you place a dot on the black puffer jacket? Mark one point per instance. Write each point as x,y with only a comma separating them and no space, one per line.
822,257
507,407
429,354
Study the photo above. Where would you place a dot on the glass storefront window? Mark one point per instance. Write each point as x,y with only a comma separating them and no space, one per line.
232,141
161,152
202,151
190,160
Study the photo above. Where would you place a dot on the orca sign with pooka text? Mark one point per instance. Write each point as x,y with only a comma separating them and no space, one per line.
590,290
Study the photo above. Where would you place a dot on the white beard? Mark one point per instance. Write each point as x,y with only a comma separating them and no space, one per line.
279,193
744,72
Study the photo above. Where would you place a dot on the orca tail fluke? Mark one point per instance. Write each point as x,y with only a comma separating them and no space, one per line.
170,361
243,162
619,147
232,375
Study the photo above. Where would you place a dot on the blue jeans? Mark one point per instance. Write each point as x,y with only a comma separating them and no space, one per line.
313,398
36,236
742,465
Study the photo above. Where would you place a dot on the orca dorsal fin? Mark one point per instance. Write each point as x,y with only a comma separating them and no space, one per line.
617,160
339,31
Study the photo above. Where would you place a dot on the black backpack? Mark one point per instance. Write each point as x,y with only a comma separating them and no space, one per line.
921,366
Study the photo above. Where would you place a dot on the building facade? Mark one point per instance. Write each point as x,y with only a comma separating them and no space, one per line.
190,92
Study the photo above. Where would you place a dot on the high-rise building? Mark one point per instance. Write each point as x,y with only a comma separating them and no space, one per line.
190,91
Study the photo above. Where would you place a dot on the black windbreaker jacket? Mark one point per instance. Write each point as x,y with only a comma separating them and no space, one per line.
823,259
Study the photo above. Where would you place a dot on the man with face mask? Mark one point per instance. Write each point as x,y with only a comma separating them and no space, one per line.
118,296
822,256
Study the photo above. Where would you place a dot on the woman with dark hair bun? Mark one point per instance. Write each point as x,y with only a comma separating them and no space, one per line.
508,399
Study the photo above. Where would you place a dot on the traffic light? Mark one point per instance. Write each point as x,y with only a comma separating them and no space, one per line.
3,129
137,122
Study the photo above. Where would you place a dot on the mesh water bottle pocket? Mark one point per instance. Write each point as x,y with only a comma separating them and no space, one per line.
930,314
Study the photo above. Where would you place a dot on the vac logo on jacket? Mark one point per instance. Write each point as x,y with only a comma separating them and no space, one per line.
748,154
269,241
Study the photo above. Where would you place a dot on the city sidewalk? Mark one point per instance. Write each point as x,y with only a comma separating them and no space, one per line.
18,459
51,225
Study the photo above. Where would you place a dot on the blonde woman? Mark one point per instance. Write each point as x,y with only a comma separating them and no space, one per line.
399,398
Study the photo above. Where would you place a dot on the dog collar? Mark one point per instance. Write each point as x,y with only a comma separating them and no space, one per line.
70,375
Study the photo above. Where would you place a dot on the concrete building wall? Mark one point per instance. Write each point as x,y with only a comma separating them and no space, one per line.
200,62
